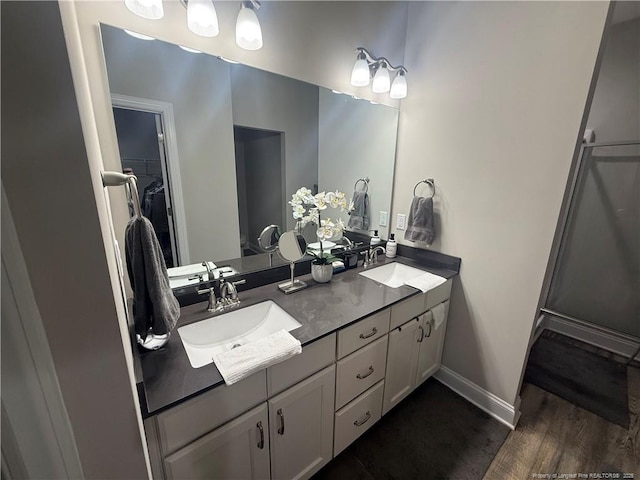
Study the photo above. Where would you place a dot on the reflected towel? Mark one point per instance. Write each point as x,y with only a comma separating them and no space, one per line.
359,216
242,361
420,226
439,312
155,307
425,282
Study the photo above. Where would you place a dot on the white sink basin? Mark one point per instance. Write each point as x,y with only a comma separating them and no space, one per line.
393,274
217,334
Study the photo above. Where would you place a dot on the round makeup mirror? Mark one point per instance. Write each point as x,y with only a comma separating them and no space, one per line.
292,247
268,239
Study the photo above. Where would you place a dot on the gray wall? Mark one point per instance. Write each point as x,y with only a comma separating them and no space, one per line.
498,90
198,87
366,149
615,111
49,182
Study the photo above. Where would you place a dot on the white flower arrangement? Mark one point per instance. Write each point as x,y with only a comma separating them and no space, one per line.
307,207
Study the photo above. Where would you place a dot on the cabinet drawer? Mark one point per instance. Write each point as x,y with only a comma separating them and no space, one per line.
438,295
404,311
193,418
362,333
314,357
357,417
360,370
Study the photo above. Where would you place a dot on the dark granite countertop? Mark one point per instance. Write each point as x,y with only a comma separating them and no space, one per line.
168,378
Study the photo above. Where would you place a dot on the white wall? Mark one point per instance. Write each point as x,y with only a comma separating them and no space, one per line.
615,111
497,94
366,149
199,88
266,101
51,187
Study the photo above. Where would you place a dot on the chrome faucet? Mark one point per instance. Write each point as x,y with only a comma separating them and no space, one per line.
211,268
229,292
371,255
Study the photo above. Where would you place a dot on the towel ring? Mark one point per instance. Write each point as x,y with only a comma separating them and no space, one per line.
429,181
365,180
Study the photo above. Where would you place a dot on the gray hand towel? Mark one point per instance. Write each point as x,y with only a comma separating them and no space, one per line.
155,307
359,216
420,226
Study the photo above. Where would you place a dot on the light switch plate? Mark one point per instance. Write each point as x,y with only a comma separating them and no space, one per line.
401,221
383,219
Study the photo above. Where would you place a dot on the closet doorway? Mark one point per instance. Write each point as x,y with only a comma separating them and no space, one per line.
260,182
141,142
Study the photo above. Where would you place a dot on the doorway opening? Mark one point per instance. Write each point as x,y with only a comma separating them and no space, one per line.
142,153
260,183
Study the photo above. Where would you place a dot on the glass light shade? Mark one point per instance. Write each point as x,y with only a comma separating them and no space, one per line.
360,73
381,80
138,35
202,18
399,86
151,9
248,31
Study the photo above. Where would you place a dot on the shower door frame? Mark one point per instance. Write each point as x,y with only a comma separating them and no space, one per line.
568,208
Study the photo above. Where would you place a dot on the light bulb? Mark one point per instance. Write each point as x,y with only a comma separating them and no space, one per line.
248,31
399,86
202,18
360,72
381,80
151,9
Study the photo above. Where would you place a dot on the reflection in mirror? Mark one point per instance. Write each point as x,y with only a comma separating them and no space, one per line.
234,143
292,246
268,241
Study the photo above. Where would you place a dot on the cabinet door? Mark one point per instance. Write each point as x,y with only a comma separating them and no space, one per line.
239,449
301,427
431,341
402,361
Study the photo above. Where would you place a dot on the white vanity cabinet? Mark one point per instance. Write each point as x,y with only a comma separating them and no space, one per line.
415,353
239,449
301,427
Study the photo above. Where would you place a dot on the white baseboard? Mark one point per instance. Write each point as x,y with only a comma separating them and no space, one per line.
617,343
496,407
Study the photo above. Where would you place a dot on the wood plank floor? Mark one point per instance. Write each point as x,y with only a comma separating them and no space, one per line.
556,437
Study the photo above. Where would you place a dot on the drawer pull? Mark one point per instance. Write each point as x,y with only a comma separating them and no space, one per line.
421,334
369,372
363,420
261,442
281,416
374,330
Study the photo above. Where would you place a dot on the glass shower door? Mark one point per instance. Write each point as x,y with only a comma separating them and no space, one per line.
597,274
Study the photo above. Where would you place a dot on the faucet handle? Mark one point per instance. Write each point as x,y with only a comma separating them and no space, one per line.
212,305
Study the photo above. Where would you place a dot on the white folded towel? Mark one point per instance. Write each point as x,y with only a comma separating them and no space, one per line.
439,312
242,361
426,282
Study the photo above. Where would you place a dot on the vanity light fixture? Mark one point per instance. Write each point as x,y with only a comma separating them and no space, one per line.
202,19
367,66
189,49
151,9
248,31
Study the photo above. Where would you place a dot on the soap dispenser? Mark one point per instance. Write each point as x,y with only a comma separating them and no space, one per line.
392,246
375,240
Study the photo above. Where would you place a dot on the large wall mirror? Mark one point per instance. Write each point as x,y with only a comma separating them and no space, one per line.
219,148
